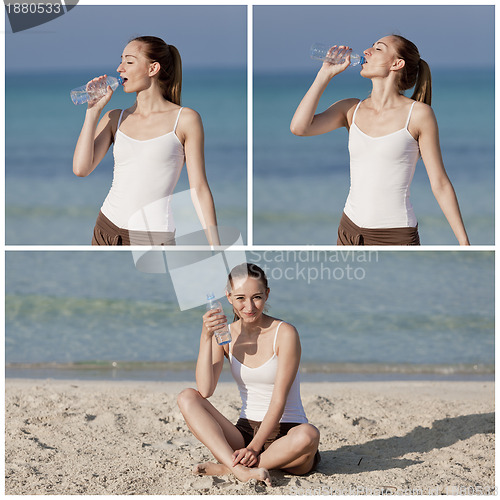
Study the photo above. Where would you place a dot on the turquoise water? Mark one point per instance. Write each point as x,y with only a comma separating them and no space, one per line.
301,183
47,204
409,312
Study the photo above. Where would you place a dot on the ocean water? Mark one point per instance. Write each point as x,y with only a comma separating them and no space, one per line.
301,183
47,205
92,314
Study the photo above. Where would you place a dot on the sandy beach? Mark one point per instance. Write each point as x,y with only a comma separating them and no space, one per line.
80,437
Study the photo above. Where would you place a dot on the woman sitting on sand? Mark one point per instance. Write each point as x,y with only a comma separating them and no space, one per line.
264,353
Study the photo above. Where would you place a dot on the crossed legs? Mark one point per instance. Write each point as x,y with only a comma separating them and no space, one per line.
294,452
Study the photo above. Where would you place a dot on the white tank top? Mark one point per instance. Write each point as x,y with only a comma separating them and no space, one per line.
382,169
256,389
144,177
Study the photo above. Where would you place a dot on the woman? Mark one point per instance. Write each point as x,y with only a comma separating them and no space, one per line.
152,140
387,134
272,431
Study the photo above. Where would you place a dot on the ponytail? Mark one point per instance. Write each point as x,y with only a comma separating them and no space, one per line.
170,74
175,87
423,87
415,73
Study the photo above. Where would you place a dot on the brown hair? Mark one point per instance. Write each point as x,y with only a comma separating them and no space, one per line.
245,270
170,74
416,71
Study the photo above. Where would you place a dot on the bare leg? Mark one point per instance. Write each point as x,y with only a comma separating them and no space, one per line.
294,452
218,434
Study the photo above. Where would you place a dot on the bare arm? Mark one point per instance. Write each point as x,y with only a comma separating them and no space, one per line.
428,139
210,356
289,351
194,139
305,121
96,136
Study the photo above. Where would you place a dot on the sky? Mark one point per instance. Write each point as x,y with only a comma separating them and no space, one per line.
445,35
93,36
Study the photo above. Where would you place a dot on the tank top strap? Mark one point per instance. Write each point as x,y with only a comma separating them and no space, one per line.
120,119
409,114
276,337
355,111
177,120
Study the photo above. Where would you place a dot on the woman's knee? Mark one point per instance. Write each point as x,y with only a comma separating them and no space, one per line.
187,398
306,437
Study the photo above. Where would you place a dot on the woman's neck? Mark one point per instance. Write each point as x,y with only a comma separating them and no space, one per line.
149,101
255,328
384,94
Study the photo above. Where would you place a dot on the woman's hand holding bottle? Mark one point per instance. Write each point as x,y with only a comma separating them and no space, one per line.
94,86
336,52
213,320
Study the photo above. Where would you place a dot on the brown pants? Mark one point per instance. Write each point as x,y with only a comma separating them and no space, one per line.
351,234
107,233
249,428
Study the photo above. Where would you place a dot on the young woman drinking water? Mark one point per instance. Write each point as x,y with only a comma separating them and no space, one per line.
388,132
152,141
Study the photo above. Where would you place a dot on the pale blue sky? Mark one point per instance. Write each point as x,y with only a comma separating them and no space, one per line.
215,36
94,36
445,35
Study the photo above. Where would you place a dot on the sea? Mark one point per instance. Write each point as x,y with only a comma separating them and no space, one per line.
361,315
299,184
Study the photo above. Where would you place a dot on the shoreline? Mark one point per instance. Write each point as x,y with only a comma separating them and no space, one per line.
90,437
309,372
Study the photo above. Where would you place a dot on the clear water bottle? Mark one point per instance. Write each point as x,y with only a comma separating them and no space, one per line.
222,335
83,94
320,51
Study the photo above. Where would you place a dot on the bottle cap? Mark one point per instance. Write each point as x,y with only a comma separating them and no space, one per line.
120,80
210,296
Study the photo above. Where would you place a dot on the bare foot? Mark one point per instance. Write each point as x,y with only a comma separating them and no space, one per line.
243,473
246,473
210,469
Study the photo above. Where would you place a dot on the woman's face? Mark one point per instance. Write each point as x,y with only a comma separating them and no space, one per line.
248,298
380,58
134,68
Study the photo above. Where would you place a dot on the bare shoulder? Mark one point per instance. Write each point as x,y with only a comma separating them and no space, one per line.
349,106
113,115
190,116
110,119
422,112
286,331
190,124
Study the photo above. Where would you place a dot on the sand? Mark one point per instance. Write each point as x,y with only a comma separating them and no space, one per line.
75,437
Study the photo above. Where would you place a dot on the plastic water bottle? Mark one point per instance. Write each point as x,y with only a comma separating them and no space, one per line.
320,51
83,94
222,335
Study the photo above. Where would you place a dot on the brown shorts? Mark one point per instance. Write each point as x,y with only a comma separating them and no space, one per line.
107,233
351,234
249,428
